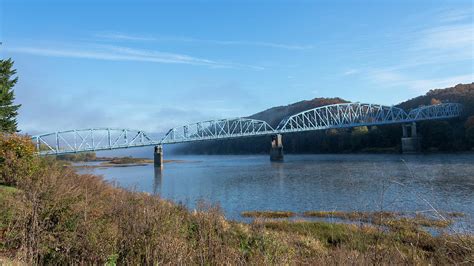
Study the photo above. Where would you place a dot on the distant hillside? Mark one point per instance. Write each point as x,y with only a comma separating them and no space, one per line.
443,135
274,115
461,93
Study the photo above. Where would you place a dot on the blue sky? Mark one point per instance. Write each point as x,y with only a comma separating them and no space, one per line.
153,65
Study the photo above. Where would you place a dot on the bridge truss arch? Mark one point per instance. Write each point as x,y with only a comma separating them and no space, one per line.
217,129
342,115
92,139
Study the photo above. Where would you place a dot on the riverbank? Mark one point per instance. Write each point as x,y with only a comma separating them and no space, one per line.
115,163
90,160
50,214
134,229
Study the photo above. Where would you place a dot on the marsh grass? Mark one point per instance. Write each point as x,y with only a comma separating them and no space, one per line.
382,218
353,215
268,214
405,244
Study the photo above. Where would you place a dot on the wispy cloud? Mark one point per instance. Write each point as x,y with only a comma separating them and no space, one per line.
439,83
448,37
255,43
128,37
125,37
455,15
448,41
391,78
119,53
351,72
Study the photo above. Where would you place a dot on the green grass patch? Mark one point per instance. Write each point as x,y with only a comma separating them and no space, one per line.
354,216
4,190
268,214
330,234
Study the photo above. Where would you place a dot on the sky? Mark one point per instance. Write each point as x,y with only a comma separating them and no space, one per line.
154,65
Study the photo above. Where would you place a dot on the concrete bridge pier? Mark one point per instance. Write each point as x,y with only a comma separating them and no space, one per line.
276,151
411,143
158,156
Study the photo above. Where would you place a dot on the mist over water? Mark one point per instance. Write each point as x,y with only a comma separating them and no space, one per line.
310,182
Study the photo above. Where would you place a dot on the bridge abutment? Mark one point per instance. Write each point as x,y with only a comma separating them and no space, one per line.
276,151
158,156
411,142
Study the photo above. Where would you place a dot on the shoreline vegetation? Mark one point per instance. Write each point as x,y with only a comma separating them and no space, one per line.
50,214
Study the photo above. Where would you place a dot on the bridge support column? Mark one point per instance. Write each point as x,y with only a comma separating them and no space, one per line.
276,151
411,143
158,156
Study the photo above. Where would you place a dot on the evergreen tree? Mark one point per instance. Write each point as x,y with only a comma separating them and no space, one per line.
8,110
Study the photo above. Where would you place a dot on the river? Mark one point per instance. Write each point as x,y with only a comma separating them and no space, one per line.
412,183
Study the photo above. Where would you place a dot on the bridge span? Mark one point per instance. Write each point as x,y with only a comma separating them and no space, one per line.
345,115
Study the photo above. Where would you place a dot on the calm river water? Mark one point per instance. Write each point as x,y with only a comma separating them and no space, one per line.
311,182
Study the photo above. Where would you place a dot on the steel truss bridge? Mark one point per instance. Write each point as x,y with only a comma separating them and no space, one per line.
344,115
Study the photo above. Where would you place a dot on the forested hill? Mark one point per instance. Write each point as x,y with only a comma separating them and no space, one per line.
461,93
443,135
274,115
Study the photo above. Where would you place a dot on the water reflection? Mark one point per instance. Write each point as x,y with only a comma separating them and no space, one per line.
157,179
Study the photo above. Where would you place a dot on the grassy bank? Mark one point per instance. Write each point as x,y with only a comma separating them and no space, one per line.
49,214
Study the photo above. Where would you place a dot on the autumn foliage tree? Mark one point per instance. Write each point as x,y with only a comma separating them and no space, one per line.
435,101
17,158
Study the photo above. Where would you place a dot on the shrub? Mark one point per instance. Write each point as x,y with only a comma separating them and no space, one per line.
78,157
17,158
